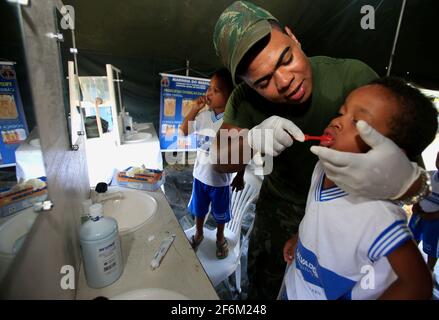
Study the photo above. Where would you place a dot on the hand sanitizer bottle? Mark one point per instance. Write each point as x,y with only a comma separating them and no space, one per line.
100,247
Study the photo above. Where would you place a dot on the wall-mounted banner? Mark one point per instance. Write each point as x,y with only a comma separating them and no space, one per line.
177,97
13,126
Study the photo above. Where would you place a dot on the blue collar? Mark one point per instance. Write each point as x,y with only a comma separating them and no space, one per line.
328,194
216,117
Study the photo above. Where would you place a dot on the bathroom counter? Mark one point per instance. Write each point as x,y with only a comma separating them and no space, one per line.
180,270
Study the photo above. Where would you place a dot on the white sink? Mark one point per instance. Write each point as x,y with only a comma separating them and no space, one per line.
12,235
150,294
137,137
131,212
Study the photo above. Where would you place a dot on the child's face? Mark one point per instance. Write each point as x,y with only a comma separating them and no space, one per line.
373,104
216,94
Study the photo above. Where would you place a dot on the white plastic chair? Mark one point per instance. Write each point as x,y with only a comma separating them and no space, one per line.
219,270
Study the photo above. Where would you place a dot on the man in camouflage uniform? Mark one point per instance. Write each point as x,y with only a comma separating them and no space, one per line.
288,93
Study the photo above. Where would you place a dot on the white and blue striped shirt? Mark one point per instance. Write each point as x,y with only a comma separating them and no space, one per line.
343,244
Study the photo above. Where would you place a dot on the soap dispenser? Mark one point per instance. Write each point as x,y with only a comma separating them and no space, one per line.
100,247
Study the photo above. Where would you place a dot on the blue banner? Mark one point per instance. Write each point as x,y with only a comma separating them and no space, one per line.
13,126
177,97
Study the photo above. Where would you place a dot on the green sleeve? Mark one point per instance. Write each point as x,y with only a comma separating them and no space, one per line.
358,74
237,108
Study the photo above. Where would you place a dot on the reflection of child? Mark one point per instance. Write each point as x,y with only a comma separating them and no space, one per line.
210,187
357,248
425,220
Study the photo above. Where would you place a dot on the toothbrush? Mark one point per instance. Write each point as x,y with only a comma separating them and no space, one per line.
160,253
321,138
309,137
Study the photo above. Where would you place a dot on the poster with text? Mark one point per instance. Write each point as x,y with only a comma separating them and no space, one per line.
177,97
13,126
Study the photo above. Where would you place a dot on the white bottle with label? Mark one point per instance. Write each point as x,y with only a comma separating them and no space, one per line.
100,247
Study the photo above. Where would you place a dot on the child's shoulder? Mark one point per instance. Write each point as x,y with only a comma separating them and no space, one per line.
389,207
384,213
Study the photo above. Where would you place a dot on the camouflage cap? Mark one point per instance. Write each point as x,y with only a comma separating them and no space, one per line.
238,28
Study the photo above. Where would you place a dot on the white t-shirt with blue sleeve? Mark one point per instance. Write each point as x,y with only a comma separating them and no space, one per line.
343,244
207,124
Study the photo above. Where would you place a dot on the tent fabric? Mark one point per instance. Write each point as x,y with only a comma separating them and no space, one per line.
143,38
179,30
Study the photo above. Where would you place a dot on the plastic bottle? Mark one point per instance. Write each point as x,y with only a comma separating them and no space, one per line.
100,247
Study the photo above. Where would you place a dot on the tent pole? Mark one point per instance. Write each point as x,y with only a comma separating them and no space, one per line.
396,38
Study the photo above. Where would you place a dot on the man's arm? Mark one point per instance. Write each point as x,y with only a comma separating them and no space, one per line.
414,279
229,144
236,146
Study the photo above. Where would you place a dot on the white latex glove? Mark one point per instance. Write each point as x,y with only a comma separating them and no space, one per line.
384,172
273,135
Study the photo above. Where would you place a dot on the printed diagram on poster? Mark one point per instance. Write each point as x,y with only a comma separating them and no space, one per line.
178,96
13,126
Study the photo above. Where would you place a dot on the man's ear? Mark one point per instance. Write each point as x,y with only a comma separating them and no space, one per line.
292,36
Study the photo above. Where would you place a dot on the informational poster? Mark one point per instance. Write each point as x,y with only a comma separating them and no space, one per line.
13,126
177,97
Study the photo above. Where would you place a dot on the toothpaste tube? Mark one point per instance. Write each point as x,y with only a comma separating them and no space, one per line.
164,246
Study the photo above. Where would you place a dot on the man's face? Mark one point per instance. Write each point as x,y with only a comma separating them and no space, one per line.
281,72
373,104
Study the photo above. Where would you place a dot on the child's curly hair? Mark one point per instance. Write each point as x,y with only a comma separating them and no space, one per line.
415,126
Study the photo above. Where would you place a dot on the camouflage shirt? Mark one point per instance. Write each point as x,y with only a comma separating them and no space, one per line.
333,79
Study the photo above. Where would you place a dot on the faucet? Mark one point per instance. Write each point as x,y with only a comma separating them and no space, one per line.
100,194
97,197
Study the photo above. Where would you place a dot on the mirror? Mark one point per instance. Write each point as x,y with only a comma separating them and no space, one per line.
95,106
93,102
22,171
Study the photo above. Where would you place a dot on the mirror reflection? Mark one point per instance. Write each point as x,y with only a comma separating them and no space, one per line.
95,103
22,171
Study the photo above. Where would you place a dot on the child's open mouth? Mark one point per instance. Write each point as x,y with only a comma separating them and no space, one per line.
329,138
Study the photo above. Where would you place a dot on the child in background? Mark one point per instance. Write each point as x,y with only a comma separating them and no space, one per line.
210,187
424,222
349,247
